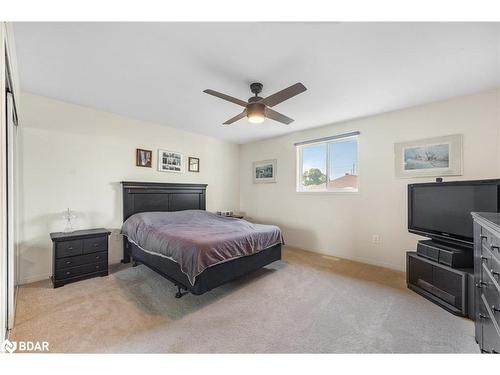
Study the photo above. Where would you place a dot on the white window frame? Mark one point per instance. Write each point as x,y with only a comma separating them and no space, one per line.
300,148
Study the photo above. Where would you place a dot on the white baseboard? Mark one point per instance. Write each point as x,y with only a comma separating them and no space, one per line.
372,262
34,278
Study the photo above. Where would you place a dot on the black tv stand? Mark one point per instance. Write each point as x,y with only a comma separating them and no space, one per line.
443,272
451,255
450,288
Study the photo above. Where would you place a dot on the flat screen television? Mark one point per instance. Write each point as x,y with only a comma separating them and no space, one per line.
442,210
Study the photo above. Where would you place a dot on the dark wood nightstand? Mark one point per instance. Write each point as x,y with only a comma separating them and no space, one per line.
79,255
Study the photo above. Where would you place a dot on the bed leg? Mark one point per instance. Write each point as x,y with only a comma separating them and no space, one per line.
126,252
179,293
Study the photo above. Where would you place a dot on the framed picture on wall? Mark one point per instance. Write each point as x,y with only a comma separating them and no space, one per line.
193,164
264,171
143,158
429,157
170,161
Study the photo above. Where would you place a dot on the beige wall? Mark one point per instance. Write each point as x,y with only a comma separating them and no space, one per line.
343,224
76,157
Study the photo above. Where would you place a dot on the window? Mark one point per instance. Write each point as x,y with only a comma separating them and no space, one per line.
329,164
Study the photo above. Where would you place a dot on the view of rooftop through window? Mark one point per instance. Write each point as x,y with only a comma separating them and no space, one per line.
329,166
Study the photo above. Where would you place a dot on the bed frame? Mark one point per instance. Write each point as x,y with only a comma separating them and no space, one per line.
153,196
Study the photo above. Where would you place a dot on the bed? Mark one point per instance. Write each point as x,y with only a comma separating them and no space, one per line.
157,233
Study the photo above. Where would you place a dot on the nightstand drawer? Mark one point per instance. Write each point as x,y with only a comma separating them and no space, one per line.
82,259
94,245
69,248
81,270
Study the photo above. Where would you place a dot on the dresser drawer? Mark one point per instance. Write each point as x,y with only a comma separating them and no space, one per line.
491,334
81,259
94,245
489,262
491,242
494,267
491,292
69,248
81,270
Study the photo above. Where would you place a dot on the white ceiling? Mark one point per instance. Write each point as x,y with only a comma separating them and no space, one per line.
157,71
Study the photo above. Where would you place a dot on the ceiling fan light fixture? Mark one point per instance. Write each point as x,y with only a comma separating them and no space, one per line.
256,113
256,118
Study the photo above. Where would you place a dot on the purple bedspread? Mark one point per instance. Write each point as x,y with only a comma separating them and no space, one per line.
198,239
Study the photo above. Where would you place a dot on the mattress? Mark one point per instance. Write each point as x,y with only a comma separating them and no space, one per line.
197,239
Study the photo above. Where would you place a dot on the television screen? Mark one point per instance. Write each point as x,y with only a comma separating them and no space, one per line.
443,210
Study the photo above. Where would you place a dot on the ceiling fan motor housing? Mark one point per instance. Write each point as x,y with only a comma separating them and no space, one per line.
254,99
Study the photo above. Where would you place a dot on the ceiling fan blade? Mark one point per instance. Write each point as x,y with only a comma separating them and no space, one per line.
283,95
276,116
236,118
226,97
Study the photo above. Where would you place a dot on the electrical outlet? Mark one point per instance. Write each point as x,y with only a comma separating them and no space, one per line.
376,239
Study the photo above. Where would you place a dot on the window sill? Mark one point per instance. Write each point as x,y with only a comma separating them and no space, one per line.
343,192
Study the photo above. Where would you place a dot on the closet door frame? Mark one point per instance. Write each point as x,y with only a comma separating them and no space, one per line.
8,226
3,208
11,130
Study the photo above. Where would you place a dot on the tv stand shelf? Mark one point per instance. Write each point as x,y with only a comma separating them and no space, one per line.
450,288
453,256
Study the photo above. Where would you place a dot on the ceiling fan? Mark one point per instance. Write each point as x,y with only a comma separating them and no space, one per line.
257,109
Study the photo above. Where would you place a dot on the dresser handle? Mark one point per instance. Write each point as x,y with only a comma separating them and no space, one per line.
494,247
70,248
481,316
495,273
481,284
483,237
68,273
97,257
495,309
68,262
484,258
96,267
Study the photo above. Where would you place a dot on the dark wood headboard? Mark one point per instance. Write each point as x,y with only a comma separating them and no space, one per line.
159,196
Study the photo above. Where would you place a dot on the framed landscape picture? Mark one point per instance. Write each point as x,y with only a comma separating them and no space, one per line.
170,161
264,171
430,157
143,158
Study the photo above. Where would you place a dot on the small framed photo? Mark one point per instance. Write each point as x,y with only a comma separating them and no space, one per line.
143,158
264,171
170,161
193,164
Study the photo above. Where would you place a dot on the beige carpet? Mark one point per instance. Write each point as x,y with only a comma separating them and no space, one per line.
305,303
